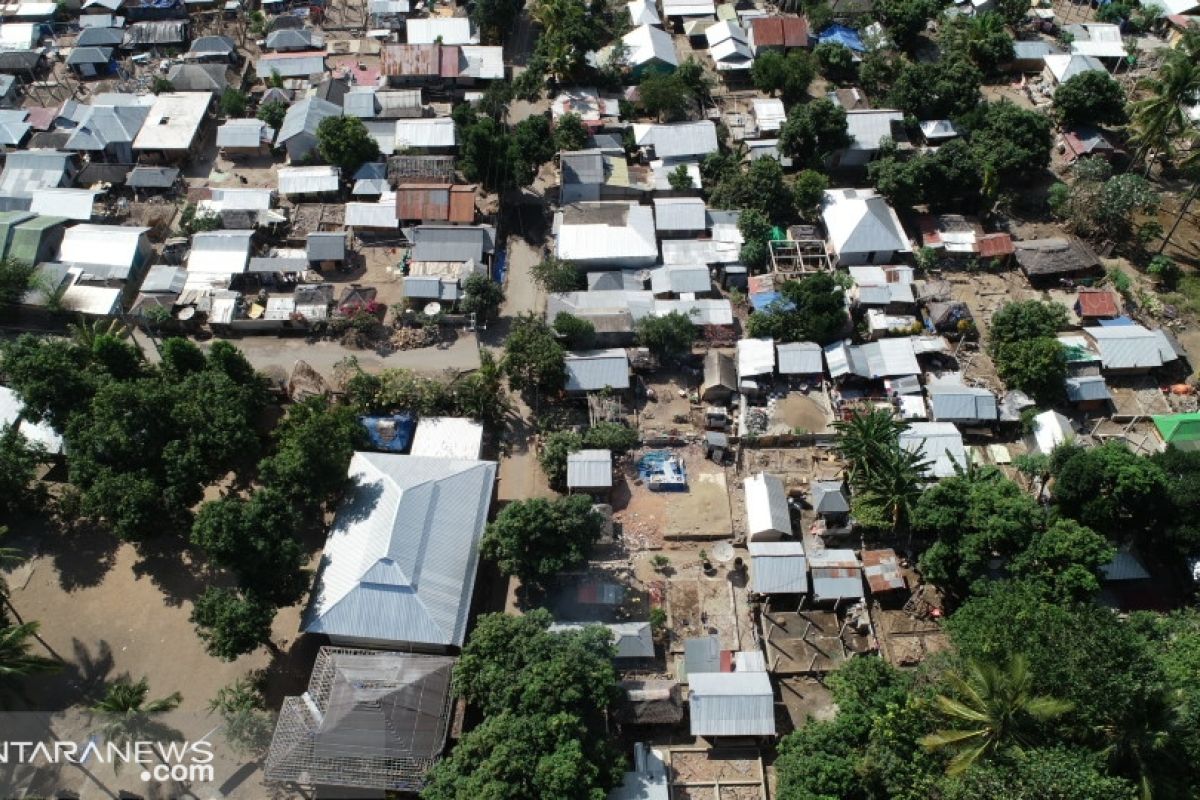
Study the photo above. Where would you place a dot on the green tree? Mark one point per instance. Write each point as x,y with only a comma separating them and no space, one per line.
579,333
482,296
1090,98
664,96
52,376
1026,319
812,309
1037,367
944,89
982,39
1108,488
346,143
680,179
905,20
19,460
1012,11
553,456
896,485
812,132
1039,772
495,18
761,187
1103,206
537,539
234,103
1066,559
272,112
836,62
232,624
1010,144
614,436
533,358
669,336
130,716
313,447
161,85
247,725
808,190
1179,534
16,278
569,133
1159,118
16,662
863,440
996,710
787,75
552,274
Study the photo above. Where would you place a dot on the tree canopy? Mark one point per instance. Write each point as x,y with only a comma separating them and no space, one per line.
812,132
944,89
536,539
346,143
669,336
1090,98
786,75
811,309
533,358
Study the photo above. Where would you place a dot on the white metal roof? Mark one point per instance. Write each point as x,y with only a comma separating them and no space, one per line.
778,567
11,407
69,203
1050,429
308,180
688,8
643,12
482,62
646,43
768,113
590,469
680,214
100,301
679,278
701,310
373,215
290,65
731,54
593,370
677,140
868,127
434,132
860,221
399,564
244,133
173,121
962,403
766,506
447,437
755,357
1065,66
615,232
1131,347
731,704
443,30
1102,40
110,245
799,358
938,443
219,252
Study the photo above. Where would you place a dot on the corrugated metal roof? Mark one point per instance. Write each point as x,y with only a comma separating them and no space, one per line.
305,116
689,8
962,403
419,61
399,564
440,30
99,301
594,370
434,132
749,661
1050,429
110,245
290,65
616,280
679,214
294,39
1131,347
607,232
680,278
647,43
308,180
829,497
859,221
799,358
447,437
766,506
677,140
590,469
582,167
778,568
27,170
451,242
152,177
732,704
372,215
220,252
643,12
1087,388
398,103
868,128
1125,566
165,279
779,32
701,311
632,639
251,133
326,246
755,357
701,655
70,203
700,251
100,37
435,202
882,570
938,443
90,55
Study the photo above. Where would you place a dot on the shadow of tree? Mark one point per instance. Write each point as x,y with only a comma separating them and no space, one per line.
173,569
289,670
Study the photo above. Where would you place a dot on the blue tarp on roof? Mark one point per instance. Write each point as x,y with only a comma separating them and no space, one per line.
1115,322
846,37
392,434
771,301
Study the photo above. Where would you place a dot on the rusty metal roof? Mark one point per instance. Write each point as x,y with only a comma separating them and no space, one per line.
435,202
780,32
882,569
420,61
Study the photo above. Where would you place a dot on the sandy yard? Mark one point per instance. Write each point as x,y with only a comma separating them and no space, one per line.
107,613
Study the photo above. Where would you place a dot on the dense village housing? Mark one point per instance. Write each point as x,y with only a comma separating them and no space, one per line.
650,400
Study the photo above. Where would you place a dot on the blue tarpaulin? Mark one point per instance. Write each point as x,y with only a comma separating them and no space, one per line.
391,434
1115,322
771,301
662,471
846,37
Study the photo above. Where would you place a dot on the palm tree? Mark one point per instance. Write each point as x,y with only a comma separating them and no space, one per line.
129,716
863,441
1160,118
16,662
1141,745
896,483
995,708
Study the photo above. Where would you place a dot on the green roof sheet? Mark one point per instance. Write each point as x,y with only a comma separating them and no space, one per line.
27,237
9,220
1178,428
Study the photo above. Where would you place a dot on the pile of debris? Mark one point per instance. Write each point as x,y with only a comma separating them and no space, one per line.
413,338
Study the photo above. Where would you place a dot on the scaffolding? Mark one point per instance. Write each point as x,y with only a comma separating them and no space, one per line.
802,253
370,719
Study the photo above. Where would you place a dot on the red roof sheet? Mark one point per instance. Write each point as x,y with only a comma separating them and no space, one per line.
882,569
780,31
420,61
435,202
931,234
992,245
1098,303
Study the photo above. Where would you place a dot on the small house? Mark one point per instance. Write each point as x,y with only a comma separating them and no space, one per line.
677,142
648,49
800,361
1097,304
435,202
298,133
633,640
729,46
119,252
863,228
679,217
1181,431
309,181
286,40
173,124
597,370
1131,349
428,135
681,279
720,377
91,62
828,500
868,128
1088,392
607,234
1087,140
1050,261
836,576
1049,430
590,472
882,570
245,137
781,33
1030,56
952,401
303,66
440,30
732,704
778,568
1061,67
448,437
755,363
768,517
939,445
643,12
212,49
326,250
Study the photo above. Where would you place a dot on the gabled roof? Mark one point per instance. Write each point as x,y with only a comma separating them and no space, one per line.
677,140
198,78
1087,388
799,358
212,46
451,242
1131,347
938,443
779,31
440,30
829,497
304,117
595,370
1179,430
590,469
108,245
767,506
14,126
606,232
732,704
958,403
430,132
290,65
90,55
680,278
778,568
100,37
632,639
70,203
308,180
244,133
643,12
295,39
399,563
688,8
1050,429
679,214
647,43
867,128
1065,66
860,221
